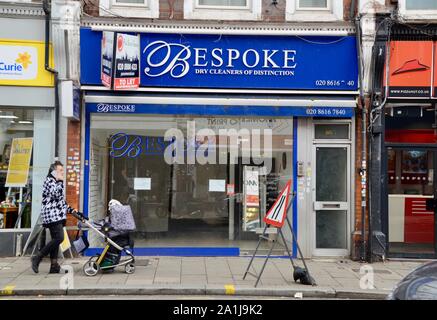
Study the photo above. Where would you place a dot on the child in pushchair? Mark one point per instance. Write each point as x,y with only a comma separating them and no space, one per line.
115,229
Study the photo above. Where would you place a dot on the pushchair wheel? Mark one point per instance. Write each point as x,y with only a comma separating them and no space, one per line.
91,268
129,268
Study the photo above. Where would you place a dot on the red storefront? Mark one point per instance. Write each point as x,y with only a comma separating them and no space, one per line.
411,148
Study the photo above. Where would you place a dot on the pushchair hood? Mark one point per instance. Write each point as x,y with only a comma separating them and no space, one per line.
122,218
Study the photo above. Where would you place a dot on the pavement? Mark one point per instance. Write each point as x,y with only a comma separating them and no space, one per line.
206,276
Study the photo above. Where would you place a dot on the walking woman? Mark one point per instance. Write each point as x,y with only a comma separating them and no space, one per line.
54,215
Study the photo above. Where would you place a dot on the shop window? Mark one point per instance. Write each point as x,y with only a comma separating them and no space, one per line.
190,181
410,124
25,155
130,8
223,9
411,183
410,172
314,10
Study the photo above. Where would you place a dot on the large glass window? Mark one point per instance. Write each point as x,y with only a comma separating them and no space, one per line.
190,181
411,184
25,155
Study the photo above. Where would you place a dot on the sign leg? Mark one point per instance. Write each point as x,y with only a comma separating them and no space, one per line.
298,248
254,253
264,265
286,248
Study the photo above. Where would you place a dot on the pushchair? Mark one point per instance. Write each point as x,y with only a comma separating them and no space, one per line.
115,229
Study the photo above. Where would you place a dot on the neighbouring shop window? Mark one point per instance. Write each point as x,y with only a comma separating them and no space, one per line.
411,183
25,136
410,172
411,163
223,175
411,124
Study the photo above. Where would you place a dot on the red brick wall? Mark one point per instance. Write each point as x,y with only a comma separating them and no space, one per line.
356,241
72,168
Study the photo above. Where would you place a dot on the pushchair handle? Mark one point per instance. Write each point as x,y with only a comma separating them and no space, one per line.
79,215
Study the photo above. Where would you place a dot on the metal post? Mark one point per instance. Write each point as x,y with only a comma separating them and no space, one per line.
254,253
297,245
265,262
286,248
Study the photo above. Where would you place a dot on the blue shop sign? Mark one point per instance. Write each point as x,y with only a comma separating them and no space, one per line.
222,61
315,111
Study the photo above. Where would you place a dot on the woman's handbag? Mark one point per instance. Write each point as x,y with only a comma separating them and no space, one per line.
81,243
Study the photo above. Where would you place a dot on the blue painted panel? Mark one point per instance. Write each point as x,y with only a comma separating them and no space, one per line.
177,251
199,110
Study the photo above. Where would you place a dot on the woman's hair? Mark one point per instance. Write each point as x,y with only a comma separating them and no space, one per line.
54,166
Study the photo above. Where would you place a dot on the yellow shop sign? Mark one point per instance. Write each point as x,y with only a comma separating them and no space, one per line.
22,63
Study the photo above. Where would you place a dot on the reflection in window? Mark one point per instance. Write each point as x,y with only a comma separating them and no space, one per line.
188,202
410,172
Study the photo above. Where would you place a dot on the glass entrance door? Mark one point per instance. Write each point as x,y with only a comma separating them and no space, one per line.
412,195
331,199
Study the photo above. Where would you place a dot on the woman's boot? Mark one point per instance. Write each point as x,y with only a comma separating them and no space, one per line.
36,260
54,266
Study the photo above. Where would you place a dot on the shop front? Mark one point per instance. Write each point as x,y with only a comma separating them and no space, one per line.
410,150
202,143
26,128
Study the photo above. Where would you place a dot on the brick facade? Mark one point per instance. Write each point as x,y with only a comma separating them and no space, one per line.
356,233
174,10
72,170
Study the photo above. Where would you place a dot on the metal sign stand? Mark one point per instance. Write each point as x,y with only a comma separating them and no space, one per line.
302,274
34,239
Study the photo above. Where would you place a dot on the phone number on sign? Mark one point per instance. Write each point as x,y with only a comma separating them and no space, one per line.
325,112
334,83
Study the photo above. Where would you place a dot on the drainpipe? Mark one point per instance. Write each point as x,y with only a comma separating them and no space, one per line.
362,102
47,11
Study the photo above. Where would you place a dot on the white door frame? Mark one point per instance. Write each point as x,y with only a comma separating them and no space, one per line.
347,206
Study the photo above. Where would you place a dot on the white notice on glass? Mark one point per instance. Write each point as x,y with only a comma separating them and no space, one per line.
142,183
216,185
